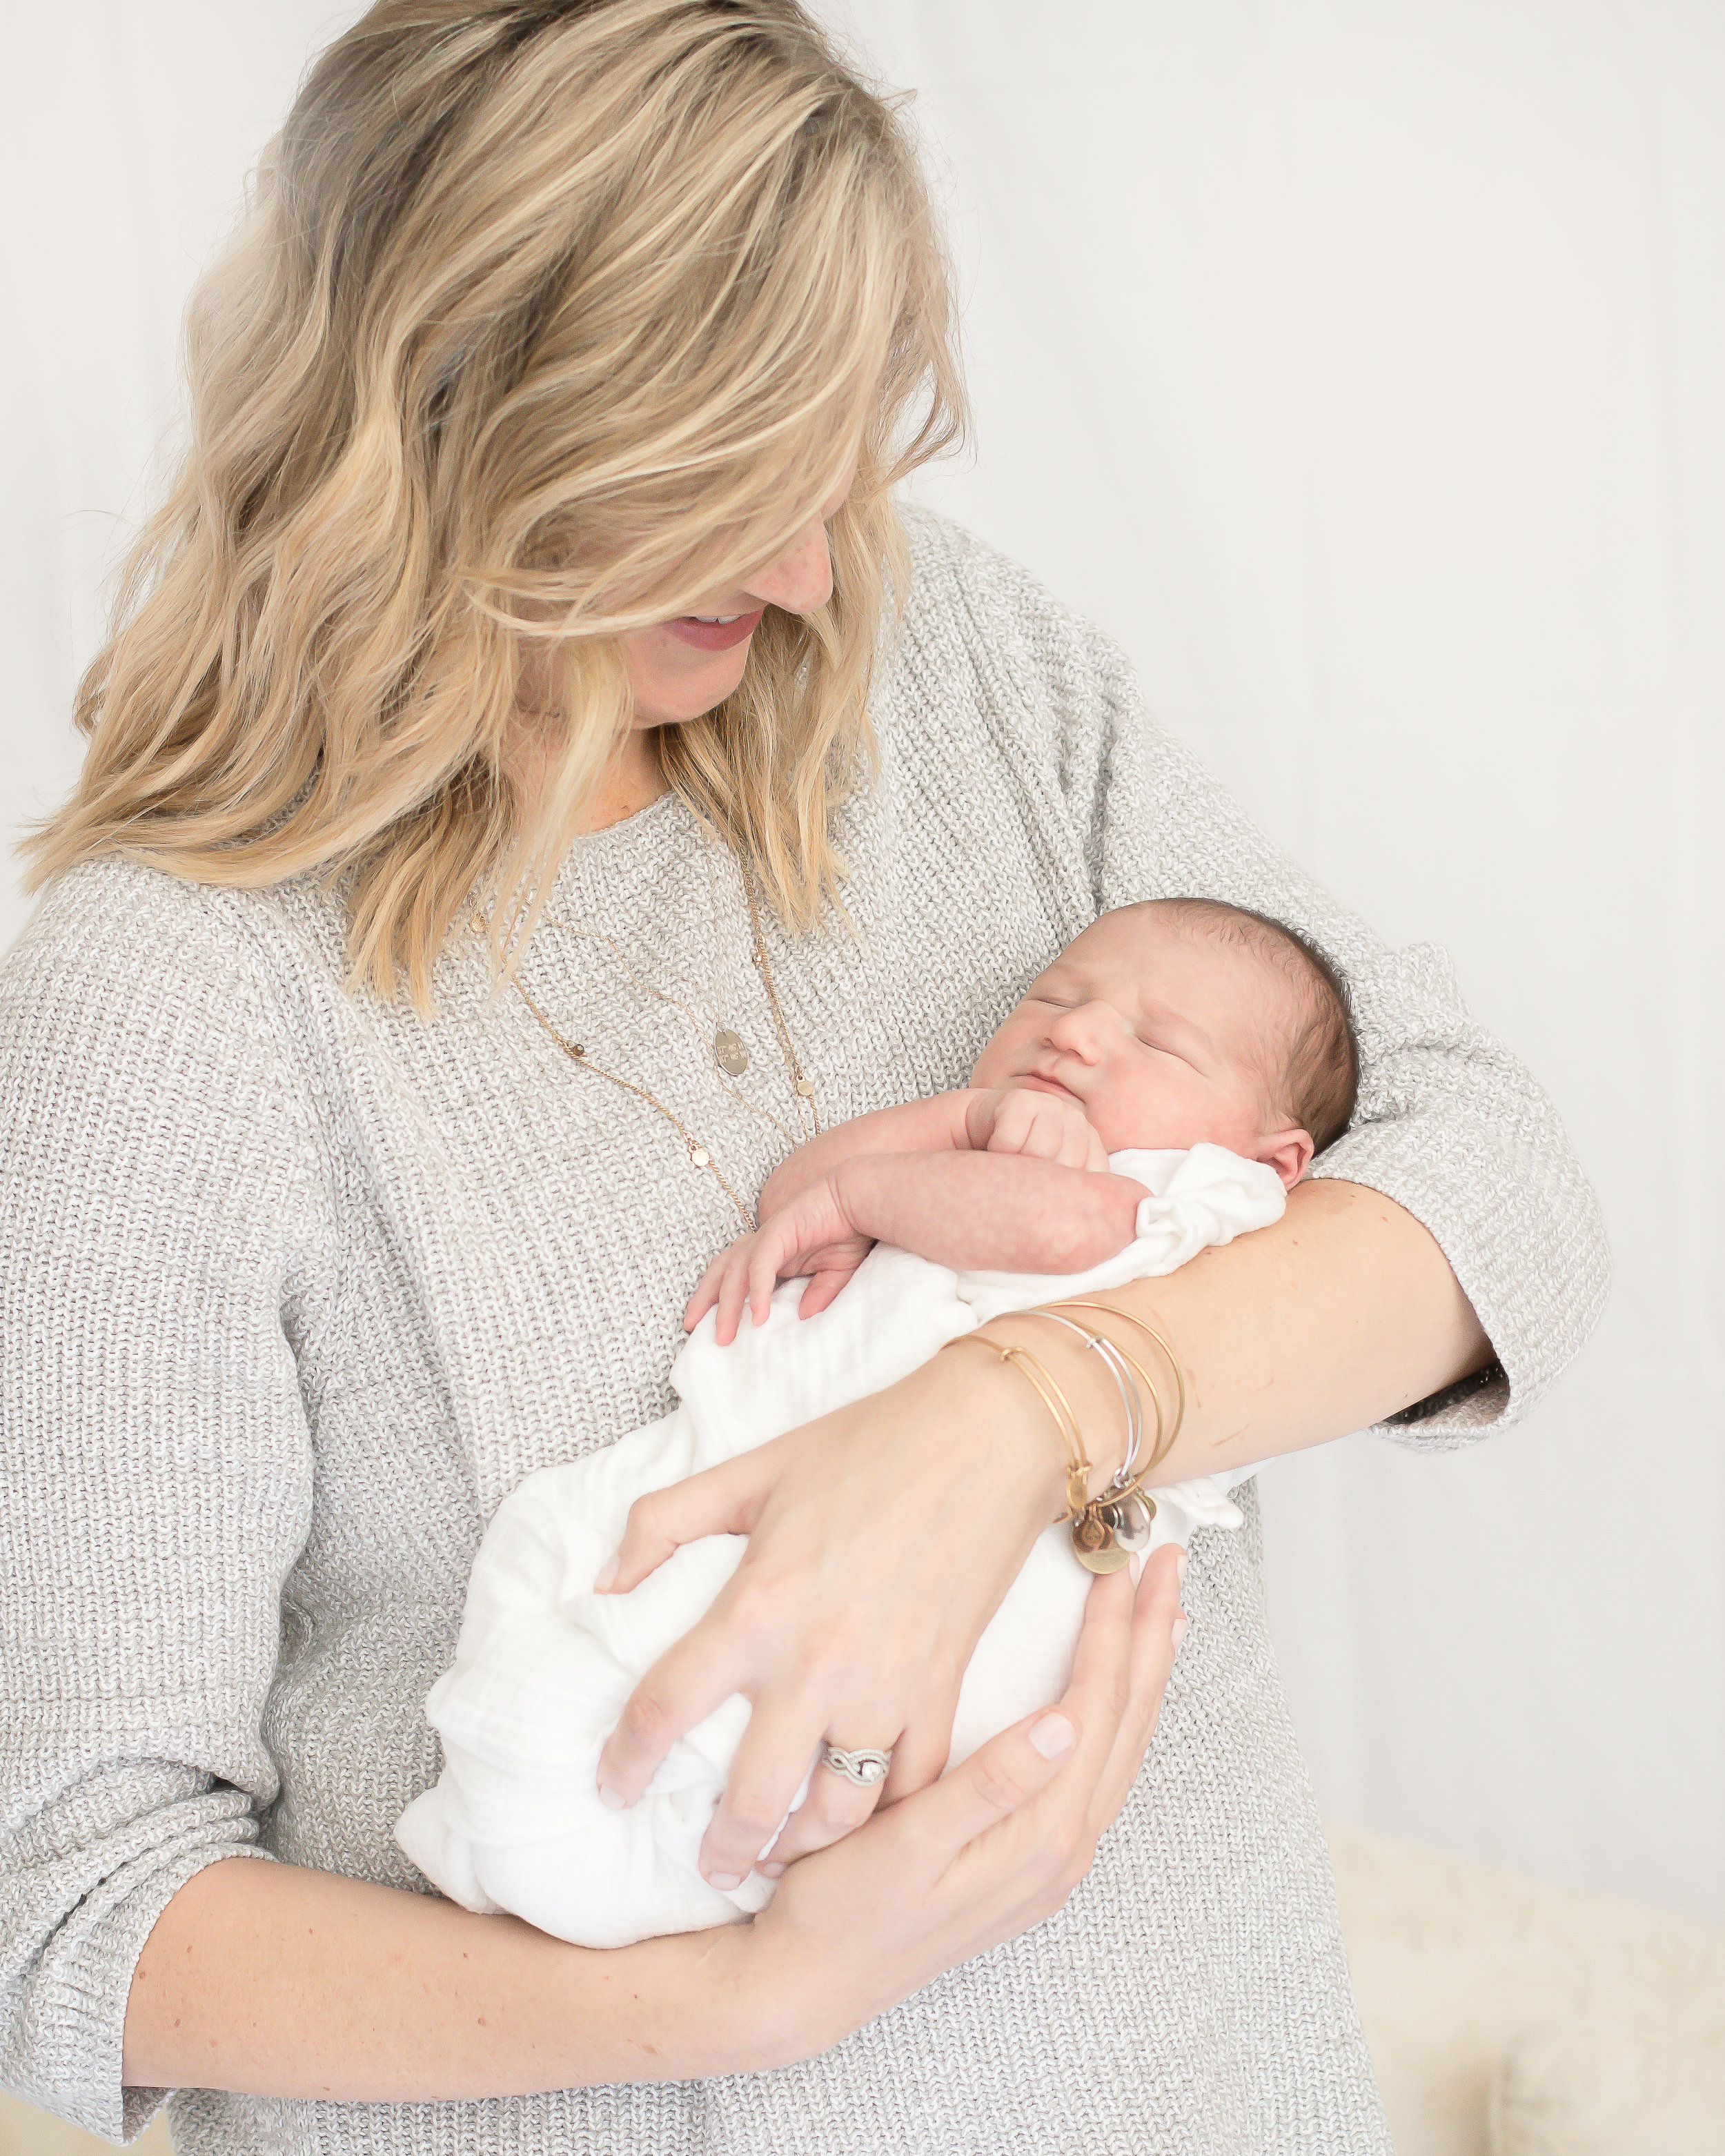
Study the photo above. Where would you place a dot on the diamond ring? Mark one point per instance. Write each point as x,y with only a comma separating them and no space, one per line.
866,1769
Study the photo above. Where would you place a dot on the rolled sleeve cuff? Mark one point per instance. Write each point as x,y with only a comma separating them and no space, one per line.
1532,1311
69,1997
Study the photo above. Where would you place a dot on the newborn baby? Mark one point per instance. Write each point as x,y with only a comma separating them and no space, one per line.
1157,1091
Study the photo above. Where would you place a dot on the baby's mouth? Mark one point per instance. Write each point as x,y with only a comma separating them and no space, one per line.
1048,1086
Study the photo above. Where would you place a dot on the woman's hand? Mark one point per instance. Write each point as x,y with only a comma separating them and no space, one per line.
809,1235
293,1984
991,1849
881,1540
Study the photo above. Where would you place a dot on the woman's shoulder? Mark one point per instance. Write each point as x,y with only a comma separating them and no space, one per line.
124,966
1002,659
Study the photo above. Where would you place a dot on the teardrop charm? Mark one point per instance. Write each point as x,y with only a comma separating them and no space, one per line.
731,1052
1090,1529
1130,1517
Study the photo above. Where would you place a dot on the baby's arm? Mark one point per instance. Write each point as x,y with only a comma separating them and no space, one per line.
936,1125
1003,1211
995,1120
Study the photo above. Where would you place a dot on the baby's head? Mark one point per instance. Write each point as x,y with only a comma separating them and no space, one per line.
1183,1020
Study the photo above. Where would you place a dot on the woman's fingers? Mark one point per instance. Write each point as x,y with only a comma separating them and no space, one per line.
733,1289
773,1248
720,1500
682,1687
707,1291
835,1806
777,1750
998,1779
920,1755
1157,1626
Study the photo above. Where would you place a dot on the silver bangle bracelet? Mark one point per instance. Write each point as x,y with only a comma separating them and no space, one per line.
1129,1397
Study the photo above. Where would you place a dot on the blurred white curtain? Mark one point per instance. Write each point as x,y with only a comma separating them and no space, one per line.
1359,367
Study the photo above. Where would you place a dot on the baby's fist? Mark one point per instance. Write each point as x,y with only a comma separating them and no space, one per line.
1037,1125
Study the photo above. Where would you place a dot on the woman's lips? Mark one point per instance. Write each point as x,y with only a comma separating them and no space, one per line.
715,635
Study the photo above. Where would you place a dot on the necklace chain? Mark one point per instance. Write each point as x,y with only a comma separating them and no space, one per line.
699,1153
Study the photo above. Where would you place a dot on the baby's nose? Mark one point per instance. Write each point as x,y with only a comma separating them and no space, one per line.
1085,1029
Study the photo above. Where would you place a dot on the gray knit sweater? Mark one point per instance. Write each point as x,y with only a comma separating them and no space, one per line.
294,1288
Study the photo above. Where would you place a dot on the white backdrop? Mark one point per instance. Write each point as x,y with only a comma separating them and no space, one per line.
1358,364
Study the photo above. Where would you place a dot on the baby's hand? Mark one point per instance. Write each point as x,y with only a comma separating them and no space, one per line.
809,1235
1014,1120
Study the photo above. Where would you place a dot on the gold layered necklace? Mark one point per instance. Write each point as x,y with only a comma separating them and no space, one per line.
724,1047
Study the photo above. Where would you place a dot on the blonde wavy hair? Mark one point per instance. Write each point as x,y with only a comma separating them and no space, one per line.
548,319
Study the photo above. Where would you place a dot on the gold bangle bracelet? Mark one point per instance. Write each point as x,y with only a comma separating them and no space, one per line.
1048,1390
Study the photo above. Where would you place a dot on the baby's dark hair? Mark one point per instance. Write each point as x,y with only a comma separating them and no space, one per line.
1320,1079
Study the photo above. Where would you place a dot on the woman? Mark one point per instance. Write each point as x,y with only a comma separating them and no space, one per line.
498,843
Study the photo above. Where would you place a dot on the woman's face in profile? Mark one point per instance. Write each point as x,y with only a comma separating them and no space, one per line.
681,668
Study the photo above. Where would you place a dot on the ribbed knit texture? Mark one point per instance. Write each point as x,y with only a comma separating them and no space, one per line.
294,1288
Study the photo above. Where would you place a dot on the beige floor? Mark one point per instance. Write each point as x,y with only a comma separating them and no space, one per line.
1601,2022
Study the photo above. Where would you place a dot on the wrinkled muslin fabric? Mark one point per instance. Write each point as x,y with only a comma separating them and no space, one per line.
544,1665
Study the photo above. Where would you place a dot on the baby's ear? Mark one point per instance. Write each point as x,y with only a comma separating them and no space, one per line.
1289,1153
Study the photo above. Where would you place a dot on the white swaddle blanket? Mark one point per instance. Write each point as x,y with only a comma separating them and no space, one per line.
543,1665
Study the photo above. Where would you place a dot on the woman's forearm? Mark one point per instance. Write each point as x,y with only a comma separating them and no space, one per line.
273,1980
1344,1311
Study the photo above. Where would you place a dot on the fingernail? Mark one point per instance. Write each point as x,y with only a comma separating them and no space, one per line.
614,1800
608,1572
1179,1630
1053,1735
724,1881
770,1870
1180,1567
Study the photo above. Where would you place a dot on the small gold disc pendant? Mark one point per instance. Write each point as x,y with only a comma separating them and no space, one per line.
731,1052
700,1155
1093,1539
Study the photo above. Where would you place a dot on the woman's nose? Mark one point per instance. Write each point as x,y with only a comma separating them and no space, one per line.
801,578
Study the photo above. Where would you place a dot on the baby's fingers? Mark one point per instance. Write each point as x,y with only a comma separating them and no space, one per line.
706,1292
823,1290
774,1249
733,1290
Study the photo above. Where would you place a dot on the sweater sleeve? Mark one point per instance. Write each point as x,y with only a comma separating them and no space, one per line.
165,1227
1449,1124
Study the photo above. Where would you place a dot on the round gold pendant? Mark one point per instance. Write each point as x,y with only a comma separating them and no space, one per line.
700,1155
1105,1560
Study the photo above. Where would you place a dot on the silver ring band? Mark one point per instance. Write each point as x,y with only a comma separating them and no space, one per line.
866,1769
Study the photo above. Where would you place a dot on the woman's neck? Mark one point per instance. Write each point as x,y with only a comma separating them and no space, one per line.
631,782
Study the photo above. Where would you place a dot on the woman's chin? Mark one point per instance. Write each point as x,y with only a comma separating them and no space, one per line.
670,696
